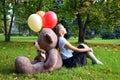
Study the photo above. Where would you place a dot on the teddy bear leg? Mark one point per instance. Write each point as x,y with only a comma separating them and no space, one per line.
59,61
35,60
39,67
23,65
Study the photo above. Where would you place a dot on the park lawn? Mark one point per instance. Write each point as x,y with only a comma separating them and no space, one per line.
20,38
97,41
108,54
72,39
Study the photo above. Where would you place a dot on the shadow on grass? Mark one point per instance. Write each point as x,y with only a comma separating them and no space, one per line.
8,71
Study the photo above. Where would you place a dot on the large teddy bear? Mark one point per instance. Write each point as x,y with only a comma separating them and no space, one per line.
47,59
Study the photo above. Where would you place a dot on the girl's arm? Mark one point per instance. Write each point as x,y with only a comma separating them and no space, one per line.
70,46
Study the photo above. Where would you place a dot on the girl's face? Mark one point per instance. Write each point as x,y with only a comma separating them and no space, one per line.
62,30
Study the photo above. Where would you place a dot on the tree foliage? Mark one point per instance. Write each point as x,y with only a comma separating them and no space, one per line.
98,14
79,15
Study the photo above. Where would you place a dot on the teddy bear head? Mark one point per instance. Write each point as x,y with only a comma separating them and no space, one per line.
47,39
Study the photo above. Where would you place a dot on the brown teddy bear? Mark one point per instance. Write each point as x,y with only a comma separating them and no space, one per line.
48,57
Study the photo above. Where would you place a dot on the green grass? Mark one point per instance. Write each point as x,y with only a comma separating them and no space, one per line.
108,54
98,40
20,38
73,40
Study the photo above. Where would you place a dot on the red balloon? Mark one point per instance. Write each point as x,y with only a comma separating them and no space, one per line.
50,19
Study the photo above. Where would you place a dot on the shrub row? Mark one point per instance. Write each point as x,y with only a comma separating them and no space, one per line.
111,35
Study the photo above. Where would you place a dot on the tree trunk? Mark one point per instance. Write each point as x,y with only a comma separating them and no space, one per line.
40,5
7,38
9,32
80,24
6,31
82,27
5,22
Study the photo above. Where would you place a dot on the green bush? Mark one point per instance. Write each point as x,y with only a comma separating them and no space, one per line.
116,31
90,34
115,34
107,35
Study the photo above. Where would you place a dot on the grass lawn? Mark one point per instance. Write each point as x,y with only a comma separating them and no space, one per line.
98,41
108,54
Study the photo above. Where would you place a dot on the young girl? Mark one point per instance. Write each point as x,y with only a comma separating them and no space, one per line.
73,56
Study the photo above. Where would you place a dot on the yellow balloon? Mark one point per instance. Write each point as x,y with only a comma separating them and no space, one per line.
35,22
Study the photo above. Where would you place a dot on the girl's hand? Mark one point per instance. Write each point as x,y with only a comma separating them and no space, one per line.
91,49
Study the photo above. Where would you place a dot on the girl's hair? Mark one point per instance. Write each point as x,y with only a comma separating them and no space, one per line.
56,29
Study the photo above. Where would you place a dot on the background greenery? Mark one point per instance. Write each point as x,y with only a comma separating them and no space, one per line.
103,15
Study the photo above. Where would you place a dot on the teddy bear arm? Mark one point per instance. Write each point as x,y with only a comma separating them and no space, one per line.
39,67
52,59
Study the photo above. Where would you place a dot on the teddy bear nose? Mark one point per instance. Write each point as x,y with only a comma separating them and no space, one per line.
33,43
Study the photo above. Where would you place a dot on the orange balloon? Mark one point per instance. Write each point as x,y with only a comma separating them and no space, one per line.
41,13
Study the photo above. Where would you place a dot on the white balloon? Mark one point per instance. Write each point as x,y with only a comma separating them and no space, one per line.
35,22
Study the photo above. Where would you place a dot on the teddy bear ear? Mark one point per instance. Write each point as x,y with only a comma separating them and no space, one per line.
48,38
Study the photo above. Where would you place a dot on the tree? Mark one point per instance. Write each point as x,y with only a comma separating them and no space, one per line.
90,12
81,9
111,11
6,5
86,12
107,16
17,12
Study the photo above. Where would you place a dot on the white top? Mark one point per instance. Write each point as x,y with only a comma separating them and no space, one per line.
65,52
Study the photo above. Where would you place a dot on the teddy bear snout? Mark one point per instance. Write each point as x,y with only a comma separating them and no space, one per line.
33,43
38,47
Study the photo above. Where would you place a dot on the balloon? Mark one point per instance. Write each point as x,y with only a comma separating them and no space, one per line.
50,19
35,22
41,13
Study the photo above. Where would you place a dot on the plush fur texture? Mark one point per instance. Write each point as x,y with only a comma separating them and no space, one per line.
48,57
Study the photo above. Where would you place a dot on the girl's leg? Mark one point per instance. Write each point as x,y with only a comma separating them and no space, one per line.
80,58
92,56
